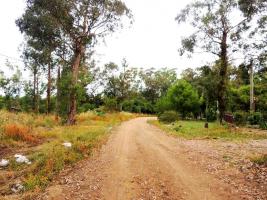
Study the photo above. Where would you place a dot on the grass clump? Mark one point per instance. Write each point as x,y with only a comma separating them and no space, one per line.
260,160
196,130
19,132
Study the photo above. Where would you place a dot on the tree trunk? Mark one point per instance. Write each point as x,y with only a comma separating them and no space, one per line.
35,106
58,93
223,77
37,94
73,93
48,97
252,104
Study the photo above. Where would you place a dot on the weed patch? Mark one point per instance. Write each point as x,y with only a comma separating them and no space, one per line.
260,160
196,130
19,132
52,156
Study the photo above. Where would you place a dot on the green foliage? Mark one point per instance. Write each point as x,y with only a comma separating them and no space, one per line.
157,83
11,87
263,125
163,104
211,115
240,117
184,98
212,34
64,88
168,116
119,82
137,105
196,130
100,112
238,98
61,32
111,104
255,118
84,107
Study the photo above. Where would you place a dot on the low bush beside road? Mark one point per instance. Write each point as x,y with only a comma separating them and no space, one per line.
168,116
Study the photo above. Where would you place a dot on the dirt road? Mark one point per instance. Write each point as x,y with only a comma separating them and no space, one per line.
138,162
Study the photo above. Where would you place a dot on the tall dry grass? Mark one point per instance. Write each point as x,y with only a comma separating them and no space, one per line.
19,132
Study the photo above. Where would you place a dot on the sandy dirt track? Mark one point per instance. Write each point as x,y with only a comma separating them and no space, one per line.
139,161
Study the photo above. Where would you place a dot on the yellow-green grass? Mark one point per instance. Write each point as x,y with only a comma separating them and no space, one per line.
196,130
260,160
50,156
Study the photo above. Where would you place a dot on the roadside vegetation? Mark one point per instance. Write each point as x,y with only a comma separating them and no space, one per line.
196,130
260,160
41,138
68,104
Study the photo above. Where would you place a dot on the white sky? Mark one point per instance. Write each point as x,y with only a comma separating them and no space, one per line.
152,41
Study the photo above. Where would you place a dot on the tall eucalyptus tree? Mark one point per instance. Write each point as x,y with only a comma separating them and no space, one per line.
217,27
80,23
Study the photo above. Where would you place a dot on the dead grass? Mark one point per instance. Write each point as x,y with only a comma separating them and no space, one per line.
50,157
19,132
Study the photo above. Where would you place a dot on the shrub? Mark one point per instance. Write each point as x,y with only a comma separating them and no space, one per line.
137,105
19,132
111,104
263,125
100,113
211,115
169,116
162,105
240,117
86,107
255,118
183,98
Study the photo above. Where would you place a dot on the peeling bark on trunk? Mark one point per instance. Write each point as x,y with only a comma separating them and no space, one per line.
223,76
48,98
35,91
37,94
73,95
58,93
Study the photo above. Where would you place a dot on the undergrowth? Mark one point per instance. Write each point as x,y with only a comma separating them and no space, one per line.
196,130
49,156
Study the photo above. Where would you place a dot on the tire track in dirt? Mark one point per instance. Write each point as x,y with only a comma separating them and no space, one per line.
138,162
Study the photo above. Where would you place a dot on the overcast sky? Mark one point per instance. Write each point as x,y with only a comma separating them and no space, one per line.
152,41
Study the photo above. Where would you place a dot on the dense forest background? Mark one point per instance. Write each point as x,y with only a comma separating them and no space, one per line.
59,43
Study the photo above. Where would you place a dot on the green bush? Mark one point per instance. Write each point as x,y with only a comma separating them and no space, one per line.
255,118
111,104
162,105
137,105
264,116
211,115
85,107
263,125
184,98
240,118
169,117
100,112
